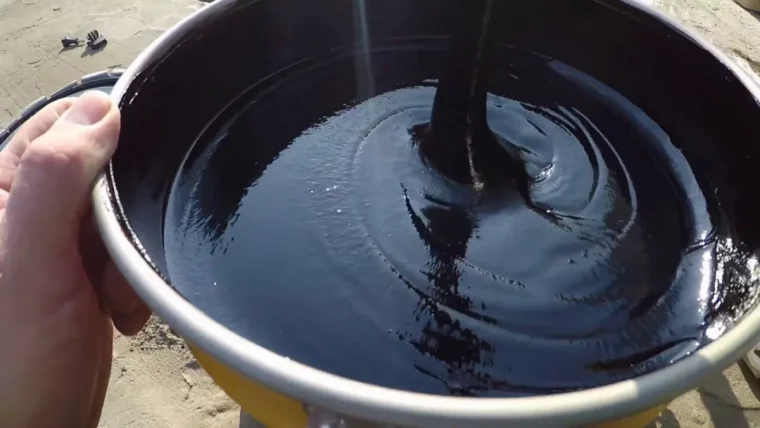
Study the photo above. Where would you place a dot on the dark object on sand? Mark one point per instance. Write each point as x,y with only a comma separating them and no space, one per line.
95,40
69,41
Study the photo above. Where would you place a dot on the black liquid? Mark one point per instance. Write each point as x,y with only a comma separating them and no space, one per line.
307,221
458,142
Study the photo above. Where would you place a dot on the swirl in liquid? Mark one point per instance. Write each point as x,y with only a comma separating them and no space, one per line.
306,220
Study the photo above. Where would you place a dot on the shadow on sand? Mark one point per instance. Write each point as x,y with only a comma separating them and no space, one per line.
722,404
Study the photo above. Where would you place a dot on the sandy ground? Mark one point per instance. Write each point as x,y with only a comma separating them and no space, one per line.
155,382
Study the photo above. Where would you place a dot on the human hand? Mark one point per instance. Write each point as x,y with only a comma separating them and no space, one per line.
59,290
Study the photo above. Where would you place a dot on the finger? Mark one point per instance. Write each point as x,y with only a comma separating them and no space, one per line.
51,189
58,168
121,297
29,131
130,324
39,124
128,312
115,294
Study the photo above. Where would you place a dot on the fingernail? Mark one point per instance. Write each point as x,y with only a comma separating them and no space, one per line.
89,109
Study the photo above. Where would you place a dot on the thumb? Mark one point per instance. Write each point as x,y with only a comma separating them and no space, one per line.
51,189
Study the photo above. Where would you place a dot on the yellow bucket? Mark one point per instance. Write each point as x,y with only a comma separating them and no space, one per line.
593,35
273,409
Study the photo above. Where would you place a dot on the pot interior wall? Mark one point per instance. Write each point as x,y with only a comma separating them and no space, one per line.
703,107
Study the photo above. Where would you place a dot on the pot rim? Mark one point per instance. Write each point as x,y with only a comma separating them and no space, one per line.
364,400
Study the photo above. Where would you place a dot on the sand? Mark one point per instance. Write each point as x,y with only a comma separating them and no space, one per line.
155,382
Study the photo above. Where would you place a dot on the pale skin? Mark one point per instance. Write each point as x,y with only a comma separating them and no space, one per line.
60,294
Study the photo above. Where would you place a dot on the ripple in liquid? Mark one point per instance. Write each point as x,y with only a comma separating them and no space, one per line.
307,221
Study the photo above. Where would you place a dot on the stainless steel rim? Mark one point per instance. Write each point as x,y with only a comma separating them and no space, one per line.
383,404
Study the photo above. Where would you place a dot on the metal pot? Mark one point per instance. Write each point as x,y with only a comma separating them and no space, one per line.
177,85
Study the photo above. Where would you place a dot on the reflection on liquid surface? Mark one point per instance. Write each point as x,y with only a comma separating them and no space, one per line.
306,220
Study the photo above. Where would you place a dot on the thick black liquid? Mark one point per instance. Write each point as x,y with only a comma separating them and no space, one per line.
457,142
307,221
